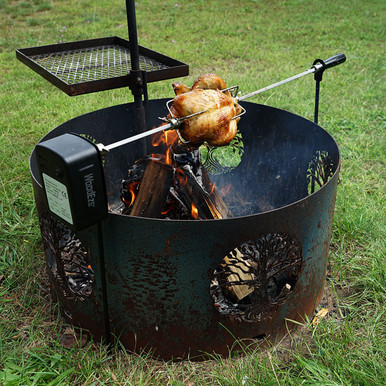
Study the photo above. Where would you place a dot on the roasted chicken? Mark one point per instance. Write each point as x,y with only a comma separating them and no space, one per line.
216,125
205,82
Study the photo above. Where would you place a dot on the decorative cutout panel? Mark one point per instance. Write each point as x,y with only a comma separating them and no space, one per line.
320,170
70,262
221,160
257,276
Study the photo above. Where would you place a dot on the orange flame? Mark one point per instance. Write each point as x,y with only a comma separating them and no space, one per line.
165,212
212,189
165,138
194,211
181,176
170,206
132,190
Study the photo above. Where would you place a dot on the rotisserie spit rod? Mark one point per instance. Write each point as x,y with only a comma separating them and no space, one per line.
173,123
319,65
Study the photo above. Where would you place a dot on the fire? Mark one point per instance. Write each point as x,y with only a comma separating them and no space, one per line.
169,207
212,189
181,176
165,138
132,190
194,211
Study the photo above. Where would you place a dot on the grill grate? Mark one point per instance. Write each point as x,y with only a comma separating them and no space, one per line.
96,65
90,64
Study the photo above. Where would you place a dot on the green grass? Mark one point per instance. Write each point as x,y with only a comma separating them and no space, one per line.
249,43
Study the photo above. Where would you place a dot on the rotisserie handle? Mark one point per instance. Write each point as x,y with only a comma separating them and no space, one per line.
334,61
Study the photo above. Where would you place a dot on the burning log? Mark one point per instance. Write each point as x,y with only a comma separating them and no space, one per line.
215,196
175,186
197,186
194,196
153,190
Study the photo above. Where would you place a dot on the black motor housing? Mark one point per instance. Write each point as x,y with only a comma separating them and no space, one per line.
73,179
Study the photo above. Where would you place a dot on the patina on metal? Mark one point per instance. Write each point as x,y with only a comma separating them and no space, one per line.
160,273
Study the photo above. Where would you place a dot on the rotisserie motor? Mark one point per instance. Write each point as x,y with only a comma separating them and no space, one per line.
217,125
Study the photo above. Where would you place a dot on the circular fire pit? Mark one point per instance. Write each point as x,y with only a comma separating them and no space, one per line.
182,288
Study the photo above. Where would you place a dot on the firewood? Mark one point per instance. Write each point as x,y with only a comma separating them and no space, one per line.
193,192
238,270
181,190
215,197
153,190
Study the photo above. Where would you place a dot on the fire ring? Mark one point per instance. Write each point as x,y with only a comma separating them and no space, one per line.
159,272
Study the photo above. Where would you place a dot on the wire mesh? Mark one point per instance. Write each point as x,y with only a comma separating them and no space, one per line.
91,64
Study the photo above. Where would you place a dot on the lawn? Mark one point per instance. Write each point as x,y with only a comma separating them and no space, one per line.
250,43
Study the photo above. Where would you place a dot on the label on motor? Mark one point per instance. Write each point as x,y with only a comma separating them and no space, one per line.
57,198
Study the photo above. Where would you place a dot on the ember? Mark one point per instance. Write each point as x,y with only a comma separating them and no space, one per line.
194,211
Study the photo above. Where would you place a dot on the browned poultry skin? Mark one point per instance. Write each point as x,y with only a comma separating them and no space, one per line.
180,88
210,82
205,82
215,125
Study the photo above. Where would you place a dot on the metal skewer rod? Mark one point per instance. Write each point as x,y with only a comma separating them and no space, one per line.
135,137
170,124
318,66
251,94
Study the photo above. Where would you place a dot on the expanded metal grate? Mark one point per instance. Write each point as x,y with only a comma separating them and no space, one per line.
97,64
90,64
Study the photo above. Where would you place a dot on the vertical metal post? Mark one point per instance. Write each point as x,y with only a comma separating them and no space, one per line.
137,80
133,39
322,66
317,91
102,271
318,76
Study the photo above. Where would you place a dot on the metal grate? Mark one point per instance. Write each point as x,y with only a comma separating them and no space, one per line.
90,64
98,64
